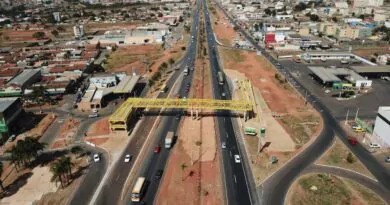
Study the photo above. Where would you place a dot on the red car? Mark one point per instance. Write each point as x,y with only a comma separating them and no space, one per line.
187,90
352,140
157,149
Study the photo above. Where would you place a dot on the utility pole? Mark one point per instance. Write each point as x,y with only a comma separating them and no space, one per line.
356,115
346,118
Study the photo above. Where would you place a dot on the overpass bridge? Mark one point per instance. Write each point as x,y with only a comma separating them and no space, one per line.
119,119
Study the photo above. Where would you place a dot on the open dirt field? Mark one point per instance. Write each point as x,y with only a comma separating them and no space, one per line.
101,127
321,189
281,108
222,28
195,153
192,175
368,52
143,59
66,133
281,99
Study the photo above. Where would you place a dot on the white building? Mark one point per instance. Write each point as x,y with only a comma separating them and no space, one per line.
103,81
57,16
78,31
365,3
382,127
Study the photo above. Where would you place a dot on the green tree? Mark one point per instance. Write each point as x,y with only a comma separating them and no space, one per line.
314,17
350,158
164,65
256,27
183,167
76,150
39,35
268,11
171,61
300,7
55,33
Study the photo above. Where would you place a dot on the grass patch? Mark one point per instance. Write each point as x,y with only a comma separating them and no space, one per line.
337,156
330,190
368,195
298,132
119,59
232,55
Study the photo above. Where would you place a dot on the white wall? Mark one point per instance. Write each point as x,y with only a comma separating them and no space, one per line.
382,132
365,83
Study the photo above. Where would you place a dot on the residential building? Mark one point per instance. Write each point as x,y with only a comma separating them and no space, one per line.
57,16
365,3
78,31
327,28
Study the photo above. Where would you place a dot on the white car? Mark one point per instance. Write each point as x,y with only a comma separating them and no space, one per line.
93,115
223,145
356,126
96,158
237,158
374,145
127,158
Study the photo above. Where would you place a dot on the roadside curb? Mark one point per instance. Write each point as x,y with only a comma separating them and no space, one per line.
345,169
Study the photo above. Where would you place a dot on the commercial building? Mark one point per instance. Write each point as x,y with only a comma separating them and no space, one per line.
308,56
26,78
130,37
372,71
104,80
382,127
10,109
330,76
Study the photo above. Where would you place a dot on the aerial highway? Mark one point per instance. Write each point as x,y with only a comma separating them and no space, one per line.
155,162
237,183
275,188
111,192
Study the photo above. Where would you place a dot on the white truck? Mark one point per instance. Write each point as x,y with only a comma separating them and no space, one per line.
169,140
186,71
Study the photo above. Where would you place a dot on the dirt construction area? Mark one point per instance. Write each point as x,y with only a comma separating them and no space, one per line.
142,59
192,175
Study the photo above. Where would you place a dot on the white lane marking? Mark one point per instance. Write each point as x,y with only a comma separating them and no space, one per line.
117,177
235,179
230,153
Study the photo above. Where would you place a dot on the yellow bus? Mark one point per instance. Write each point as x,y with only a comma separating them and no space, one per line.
164,88
138,189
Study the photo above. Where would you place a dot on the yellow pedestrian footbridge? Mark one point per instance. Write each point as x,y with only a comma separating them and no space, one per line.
119,119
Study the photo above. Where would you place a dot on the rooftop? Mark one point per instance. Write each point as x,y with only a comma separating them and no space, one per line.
127,84
6,102
371,69
24,76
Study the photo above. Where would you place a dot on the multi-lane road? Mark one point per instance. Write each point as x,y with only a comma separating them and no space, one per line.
273,191
157,161
236,181
111,192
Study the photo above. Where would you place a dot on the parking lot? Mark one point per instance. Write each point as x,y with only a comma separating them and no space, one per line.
366,103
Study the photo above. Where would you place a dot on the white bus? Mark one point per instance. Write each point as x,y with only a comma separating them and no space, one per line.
138,189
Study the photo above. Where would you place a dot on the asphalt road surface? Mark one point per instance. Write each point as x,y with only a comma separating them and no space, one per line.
157,161
112,190
275,188
237,184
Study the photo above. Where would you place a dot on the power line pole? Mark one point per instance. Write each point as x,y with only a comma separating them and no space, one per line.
346,118
356,114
